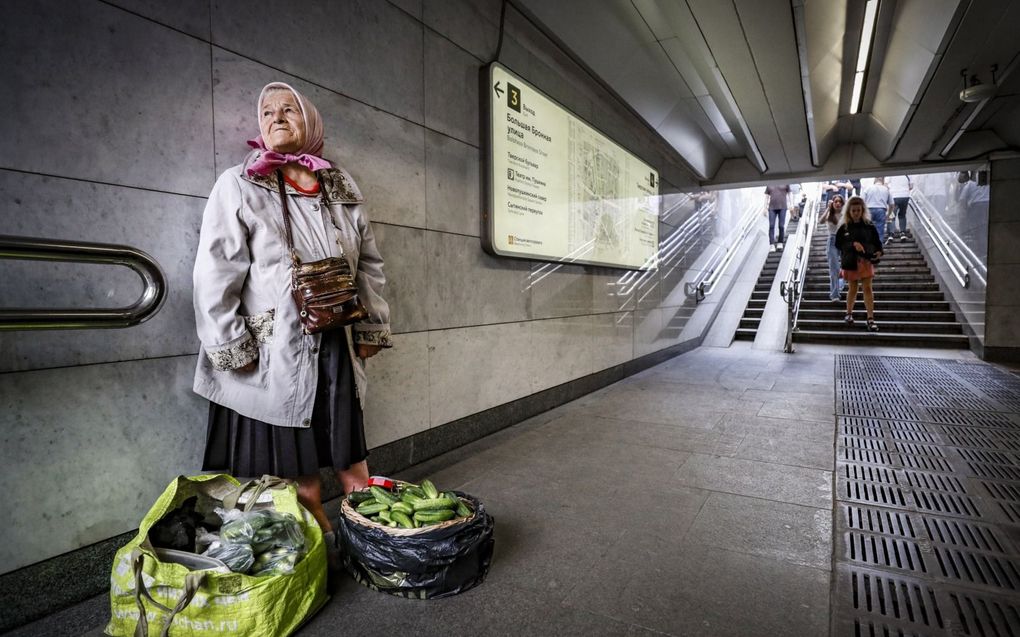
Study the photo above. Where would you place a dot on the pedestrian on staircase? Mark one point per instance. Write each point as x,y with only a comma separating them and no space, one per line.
900,187
879,202
860,248
832,216
776,200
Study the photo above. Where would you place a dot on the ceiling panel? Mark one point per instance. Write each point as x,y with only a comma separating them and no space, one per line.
725,37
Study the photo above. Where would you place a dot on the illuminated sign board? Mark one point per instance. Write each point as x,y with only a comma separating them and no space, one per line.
559,190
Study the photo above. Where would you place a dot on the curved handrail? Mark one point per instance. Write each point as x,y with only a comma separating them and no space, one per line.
35,249
718,263
790,289
961,259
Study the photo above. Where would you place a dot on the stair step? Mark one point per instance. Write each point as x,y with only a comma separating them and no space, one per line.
882,295
836,324
925,306
745,334
836,312
864,337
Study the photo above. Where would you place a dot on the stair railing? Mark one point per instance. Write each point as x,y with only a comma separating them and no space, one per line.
790,289
722,256
961,259
35,249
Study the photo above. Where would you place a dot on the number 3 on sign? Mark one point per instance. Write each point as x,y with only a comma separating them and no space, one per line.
513,97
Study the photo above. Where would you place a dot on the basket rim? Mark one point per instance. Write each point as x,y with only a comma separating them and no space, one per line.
349,512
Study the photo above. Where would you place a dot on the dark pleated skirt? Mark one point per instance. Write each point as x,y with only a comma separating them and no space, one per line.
245,447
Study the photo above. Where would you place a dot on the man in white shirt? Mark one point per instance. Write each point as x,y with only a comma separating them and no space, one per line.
900,187
879,202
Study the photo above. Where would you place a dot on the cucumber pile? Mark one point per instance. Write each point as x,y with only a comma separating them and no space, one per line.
410,506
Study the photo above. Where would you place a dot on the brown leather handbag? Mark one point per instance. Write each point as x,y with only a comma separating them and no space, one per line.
324,290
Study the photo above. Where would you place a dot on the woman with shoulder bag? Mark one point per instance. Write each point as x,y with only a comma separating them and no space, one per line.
860,249
286,399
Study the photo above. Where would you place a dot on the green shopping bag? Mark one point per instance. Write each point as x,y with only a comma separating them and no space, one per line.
150,597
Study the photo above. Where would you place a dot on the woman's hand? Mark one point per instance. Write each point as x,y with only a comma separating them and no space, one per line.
858,246
367,351
250,367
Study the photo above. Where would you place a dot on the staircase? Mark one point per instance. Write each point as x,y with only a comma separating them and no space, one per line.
748,327
909,307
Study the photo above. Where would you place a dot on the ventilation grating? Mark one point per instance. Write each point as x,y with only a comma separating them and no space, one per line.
928,498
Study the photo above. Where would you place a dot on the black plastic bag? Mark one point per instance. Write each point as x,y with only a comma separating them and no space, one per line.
427,565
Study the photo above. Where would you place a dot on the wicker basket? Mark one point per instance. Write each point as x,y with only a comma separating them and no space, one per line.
351,514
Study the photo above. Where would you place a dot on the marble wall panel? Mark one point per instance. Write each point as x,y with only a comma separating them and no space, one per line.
190,16
559,290
105,95
472,24
398,390
385,154
453,191
164,226
413,7
475,368
86,450
451,89
466,286
403,252
648,289
612,289
561,350
528,54
368,50
612,339
648,331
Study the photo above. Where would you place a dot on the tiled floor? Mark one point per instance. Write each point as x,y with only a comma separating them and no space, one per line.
694,498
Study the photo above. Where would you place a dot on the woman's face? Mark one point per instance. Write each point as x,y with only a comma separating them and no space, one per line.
856,211
837,203
281,123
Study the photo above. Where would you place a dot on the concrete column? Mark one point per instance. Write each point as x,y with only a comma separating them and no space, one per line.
1002,302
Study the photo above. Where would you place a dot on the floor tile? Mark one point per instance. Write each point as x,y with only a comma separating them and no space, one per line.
788,532
797,485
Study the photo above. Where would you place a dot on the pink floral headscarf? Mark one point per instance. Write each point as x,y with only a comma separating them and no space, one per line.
309,155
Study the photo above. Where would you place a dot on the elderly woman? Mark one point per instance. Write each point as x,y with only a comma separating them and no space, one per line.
283,402
833,216
860,248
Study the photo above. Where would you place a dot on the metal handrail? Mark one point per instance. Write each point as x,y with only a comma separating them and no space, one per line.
790,289
717,264
962,260
35,249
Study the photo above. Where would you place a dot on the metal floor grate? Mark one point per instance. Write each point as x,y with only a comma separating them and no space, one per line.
927,517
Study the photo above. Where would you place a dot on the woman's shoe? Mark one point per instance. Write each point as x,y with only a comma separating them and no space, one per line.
849,319
872,326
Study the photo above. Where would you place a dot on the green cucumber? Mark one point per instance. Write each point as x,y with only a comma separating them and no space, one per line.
437,515
385,516
371,507
410,498
392,524
357,497
403,507
463,510
415,490
430,489
402,519
382,495
434,503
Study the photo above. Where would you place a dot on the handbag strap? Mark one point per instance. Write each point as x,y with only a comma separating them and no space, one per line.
286,219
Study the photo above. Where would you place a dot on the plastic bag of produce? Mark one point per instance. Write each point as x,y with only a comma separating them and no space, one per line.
424,563
151,596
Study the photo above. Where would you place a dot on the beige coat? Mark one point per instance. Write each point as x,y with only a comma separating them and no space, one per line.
243,307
